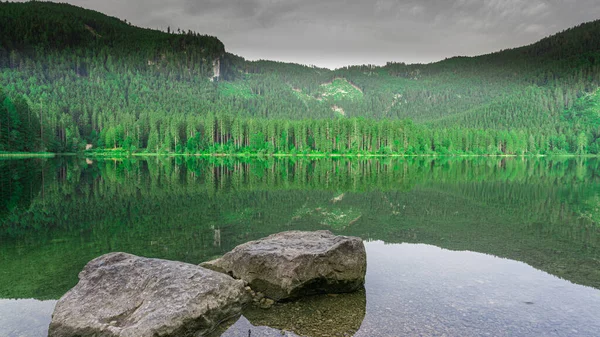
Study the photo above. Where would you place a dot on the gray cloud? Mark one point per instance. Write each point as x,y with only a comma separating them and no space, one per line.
233,9
335,33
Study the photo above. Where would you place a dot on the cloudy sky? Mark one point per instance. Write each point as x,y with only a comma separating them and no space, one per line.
334,33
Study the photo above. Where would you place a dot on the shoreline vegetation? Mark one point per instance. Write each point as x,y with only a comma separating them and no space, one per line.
116,154
20,155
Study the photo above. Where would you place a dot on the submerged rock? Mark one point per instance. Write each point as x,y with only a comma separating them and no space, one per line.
120,294
266,303
315,316
294,264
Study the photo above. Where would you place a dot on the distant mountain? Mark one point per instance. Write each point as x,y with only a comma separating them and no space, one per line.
35,30
571,49
98,80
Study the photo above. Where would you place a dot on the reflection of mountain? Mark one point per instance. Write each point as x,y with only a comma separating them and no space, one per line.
193,210
314,316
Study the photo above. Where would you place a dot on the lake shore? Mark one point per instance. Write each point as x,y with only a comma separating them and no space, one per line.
118,153
18,155
112,154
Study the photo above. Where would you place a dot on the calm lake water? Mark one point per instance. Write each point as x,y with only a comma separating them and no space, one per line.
455,247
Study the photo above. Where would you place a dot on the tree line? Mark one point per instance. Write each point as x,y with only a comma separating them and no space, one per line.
24,130
222,133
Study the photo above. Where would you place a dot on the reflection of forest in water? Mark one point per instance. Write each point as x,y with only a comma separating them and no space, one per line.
56,215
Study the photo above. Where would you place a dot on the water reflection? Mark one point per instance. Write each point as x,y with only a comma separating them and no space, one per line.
62,213
56,215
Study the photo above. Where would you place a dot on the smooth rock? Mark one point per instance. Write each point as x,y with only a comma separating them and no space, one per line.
293,264
266,303
124,295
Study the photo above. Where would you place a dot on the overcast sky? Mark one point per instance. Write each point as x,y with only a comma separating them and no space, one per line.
335,33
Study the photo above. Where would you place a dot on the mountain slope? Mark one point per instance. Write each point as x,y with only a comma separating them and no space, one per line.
94,79
34,29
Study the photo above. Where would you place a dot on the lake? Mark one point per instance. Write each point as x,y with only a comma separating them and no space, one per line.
455,246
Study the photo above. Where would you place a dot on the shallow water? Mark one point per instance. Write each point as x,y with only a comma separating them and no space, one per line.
415,289
455,247
25,317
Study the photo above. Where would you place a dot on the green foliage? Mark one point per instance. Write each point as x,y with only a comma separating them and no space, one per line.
19,126
585,112
340,89
94,79
235,89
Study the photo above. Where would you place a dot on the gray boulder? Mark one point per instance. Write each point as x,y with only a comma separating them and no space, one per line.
124,295
293,264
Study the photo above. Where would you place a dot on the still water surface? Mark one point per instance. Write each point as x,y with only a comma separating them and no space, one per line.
455,247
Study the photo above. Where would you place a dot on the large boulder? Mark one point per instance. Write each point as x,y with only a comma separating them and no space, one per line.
124,295
293,264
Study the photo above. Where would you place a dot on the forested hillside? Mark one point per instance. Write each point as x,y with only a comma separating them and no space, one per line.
93,79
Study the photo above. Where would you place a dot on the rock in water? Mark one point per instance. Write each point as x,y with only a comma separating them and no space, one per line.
124,295
293,264
321,315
